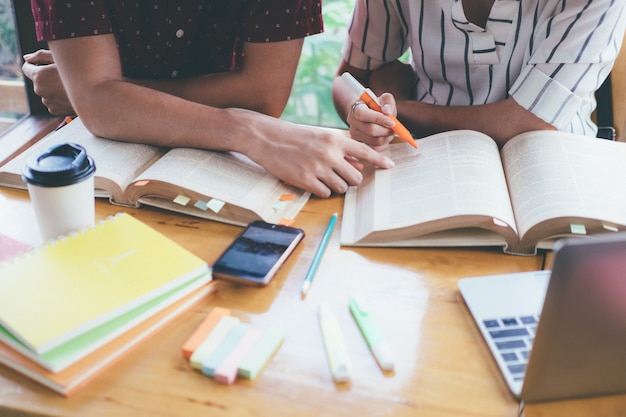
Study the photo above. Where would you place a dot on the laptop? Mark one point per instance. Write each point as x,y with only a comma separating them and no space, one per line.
561,333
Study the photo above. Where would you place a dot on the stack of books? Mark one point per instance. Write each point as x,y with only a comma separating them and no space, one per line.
70,308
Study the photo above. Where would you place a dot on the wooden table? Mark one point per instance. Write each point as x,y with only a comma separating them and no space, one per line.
443,368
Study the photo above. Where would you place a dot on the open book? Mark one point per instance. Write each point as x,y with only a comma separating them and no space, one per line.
221,186
459,189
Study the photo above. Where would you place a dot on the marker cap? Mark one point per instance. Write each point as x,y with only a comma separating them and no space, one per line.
384,356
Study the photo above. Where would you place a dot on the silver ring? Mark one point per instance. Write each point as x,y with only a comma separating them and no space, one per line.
355,104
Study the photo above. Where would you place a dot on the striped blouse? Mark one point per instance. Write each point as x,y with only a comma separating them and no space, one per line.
549,55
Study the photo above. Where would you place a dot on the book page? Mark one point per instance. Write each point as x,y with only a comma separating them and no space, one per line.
226,176
117,163
453,174
557,175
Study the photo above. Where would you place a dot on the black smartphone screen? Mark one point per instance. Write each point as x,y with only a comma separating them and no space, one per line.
257,253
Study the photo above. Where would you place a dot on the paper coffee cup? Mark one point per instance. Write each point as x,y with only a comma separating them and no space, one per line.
61,187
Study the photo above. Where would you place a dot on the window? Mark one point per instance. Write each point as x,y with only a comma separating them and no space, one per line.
23,118
311,98
13,102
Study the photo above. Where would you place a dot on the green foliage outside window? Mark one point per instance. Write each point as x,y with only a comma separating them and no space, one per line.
9,63
311,100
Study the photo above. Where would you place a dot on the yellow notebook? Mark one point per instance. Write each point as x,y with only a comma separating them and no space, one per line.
59,291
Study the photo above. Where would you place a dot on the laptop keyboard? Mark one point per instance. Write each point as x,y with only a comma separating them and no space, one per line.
513,338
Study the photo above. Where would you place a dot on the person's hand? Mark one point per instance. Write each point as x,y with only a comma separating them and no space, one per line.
372,127
318,160
41,69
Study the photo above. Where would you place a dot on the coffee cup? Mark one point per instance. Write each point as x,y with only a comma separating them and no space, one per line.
61,187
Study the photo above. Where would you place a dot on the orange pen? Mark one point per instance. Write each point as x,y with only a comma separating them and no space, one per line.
370,99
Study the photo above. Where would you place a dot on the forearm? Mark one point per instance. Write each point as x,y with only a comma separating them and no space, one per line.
222,91
112,107
263,83
318,160
127,112
501,121
343,98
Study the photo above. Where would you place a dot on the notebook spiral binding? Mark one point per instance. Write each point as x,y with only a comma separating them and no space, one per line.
76,233
59,240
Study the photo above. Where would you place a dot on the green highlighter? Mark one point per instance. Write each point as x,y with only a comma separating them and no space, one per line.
372,332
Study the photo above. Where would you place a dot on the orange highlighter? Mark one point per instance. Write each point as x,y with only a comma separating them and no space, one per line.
370,99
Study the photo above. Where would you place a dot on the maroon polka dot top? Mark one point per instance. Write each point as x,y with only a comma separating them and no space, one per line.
178,38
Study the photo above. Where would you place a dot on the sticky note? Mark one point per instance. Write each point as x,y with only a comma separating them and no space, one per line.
213,361
215,205
141,183
202,205
279,205
202,332
260,354
182,200
226,372
499,222
213,340
286,222
287,197
578,229
610,228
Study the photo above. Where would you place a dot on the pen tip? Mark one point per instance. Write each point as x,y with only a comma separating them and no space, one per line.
305,289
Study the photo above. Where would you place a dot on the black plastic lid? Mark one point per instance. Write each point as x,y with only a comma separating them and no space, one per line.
62,164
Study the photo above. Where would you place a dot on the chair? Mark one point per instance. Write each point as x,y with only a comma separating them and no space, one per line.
618,91
611,97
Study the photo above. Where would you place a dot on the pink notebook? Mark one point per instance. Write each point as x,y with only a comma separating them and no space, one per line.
10,247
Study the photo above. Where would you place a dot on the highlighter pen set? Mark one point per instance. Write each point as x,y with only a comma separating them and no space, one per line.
225,348
334,343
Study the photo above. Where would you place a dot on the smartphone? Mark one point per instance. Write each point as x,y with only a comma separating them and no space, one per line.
257,253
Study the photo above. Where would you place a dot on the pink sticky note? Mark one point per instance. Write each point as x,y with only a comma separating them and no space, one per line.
226,372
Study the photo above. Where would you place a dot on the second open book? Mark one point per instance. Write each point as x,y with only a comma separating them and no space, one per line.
459,189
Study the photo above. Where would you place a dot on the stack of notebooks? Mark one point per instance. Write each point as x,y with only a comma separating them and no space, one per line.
70,308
